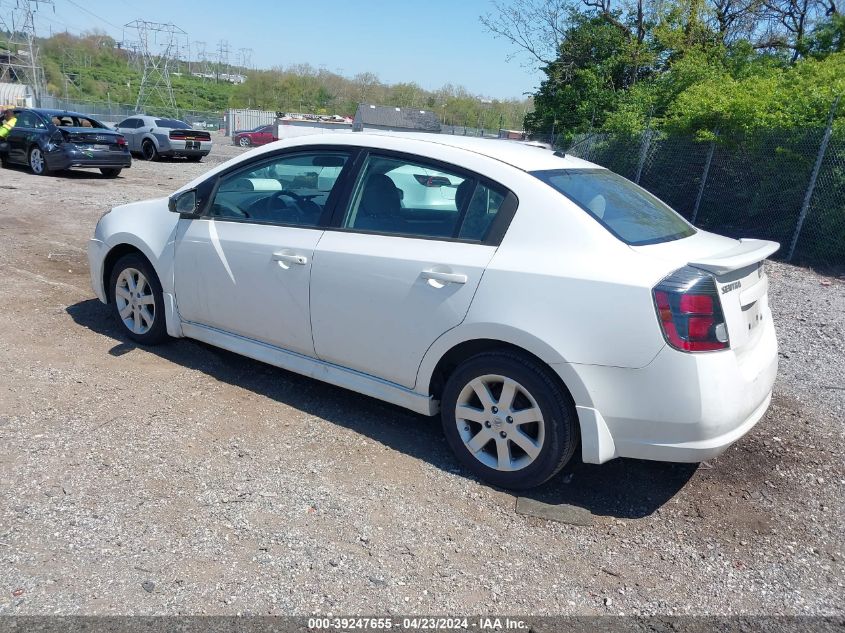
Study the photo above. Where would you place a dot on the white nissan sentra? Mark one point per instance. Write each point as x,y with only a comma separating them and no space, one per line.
544,305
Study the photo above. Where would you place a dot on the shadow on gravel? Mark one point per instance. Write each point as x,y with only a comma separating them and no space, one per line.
68,174
623,488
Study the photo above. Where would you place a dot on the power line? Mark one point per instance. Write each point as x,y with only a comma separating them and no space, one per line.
91,13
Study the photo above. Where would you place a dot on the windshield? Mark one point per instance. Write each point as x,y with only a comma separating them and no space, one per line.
172,123
628,211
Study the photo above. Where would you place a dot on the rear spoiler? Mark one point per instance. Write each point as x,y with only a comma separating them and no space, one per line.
746,253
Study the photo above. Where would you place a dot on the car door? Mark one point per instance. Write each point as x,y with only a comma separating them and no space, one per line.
127,128
25,134
245,266
265,135
390,279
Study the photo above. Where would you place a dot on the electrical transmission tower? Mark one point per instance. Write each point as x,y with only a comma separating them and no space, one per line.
17,18
158,48
222,59
202,59
245,58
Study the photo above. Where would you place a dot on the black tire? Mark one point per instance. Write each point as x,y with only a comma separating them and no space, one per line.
43,170
194,159
148,150
244,141
559,419
157,332
111,172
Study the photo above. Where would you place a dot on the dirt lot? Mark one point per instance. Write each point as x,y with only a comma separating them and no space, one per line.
183,479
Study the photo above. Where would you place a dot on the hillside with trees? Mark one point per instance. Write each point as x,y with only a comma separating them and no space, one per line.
93,67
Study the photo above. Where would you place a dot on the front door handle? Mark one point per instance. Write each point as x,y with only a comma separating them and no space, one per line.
287,258
446,278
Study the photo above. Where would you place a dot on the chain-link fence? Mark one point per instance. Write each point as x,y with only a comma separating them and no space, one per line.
115,112
783,186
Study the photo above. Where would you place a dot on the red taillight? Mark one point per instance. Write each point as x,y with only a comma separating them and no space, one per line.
690,313
121,140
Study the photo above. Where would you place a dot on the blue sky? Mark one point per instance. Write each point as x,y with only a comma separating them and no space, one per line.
431,42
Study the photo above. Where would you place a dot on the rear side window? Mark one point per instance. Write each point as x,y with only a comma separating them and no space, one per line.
628,211
173,124
395,196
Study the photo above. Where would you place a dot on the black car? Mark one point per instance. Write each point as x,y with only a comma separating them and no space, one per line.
53,140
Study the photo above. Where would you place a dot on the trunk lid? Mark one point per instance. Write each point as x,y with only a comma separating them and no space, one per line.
737,268
93,138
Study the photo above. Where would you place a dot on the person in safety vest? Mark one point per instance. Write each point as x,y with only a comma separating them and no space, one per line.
9,120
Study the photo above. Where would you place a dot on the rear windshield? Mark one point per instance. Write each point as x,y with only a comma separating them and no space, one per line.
74,120
628,211
172,123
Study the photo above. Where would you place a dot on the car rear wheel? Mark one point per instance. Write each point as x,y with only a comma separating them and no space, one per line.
194,159
244,141
507,420
110,172
37,163
137,300
148,150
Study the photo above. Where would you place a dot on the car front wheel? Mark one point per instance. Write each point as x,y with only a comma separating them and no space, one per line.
37,163
507,420
137,300
244,141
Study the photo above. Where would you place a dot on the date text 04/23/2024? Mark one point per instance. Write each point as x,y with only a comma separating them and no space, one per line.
416,624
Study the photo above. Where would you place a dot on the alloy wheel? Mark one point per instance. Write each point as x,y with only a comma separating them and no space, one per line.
500,423
36,160
135,301
244,141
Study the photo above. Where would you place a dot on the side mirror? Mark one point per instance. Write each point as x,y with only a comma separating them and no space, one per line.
184,203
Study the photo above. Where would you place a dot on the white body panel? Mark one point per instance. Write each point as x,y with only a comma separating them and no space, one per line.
374,310
559,286
246,279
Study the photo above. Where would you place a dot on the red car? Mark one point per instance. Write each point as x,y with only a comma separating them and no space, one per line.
259,136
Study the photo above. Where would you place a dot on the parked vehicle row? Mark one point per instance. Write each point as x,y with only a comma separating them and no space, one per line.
541,304
49,141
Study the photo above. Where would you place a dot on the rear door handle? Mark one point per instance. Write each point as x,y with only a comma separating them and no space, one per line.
446,278
287,258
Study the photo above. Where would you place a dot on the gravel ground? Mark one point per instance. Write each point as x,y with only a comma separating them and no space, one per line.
185,479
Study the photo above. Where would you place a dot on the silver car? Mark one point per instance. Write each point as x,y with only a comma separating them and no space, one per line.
153,137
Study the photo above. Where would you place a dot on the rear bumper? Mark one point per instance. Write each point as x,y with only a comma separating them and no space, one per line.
73,157
681,407
178,148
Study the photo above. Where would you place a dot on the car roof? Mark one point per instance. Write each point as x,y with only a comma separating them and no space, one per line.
514,153
48,112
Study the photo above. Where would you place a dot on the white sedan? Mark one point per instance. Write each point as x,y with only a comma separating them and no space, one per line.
552,306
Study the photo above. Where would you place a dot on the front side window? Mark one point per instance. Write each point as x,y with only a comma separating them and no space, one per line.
400,197
30,120
289,190
628,211
130,123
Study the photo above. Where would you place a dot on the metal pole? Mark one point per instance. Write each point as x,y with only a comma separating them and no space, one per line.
643,154
703,179
813,177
